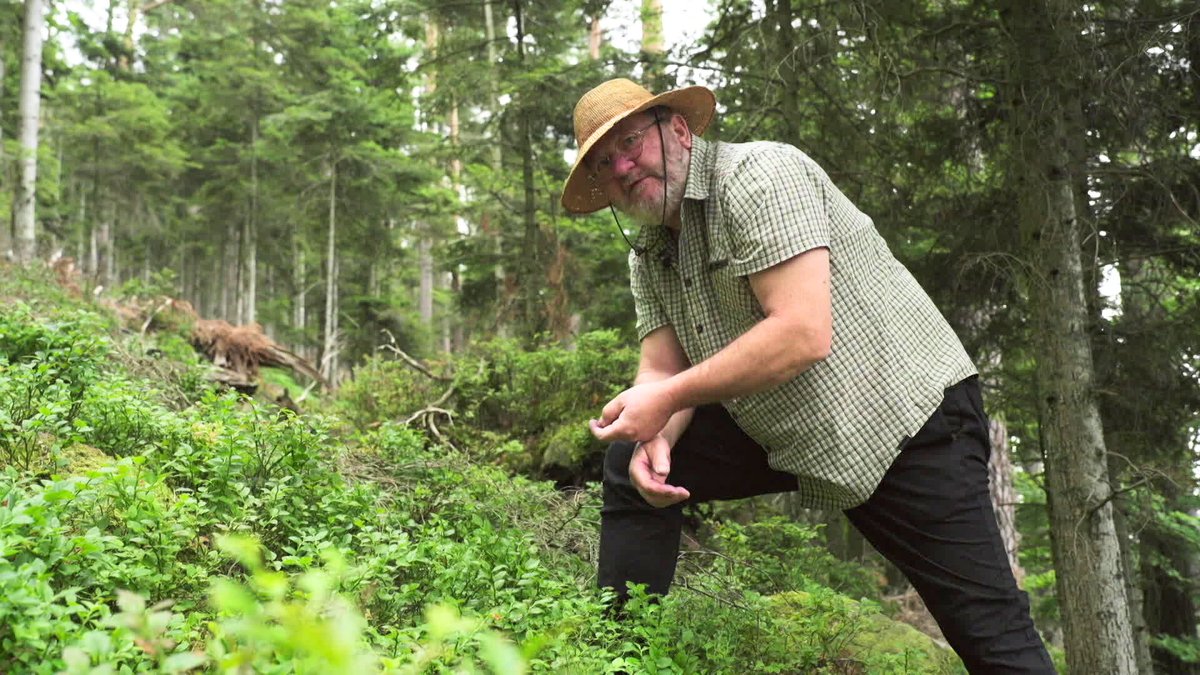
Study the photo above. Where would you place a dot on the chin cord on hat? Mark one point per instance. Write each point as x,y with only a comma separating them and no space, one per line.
662,146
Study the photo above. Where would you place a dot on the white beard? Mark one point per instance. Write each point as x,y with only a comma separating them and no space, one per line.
649,211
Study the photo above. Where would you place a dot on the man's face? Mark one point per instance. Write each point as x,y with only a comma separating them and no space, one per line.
628,165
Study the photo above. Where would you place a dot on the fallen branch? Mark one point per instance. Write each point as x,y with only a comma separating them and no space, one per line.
415,364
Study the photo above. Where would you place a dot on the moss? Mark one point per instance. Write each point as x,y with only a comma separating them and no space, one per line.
566,446
859,634
79,459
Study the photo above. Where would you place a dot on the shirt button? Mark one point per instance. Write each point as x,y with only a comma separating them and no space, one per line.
687,283
699,328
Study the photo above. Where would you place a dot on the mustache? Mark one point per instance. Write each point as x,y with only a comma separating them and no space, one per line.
629,182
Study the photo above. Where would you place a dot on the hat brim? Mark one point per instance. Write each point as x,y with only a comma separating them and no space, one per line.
581,194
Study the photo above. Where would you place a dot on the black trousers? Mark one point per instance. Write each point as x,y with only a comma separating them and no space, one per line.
931,516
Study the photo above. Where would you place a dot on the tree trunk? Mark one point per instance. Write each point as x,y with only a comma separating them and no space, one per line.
329,357
452,324
1133,590
108,252
230,264
1004,494
595,38
425,261
529,252
300,301
494,229
1091,589
652,44
425,288
29,106
92,267
250,237
6,232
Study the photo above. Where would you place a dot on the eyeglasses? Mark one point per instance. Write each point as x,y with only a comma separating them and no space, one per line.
628,146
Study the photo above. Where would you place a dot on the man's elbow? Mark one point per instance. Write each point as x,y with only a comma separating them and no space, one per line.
810,344
818,343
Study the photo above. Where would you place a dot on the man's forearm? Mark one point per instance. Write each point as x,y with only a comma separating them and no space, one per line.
763,357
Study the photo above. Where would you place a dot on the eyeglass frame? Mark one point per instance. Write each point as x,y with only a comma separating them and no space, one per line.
634,152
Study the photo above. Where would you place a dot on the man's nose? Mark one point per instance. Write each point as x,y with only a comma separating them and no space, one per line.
621,165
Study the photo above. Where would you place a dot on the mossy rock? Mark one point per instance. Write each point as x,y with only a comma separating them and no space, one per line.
864,640
566,446
79,459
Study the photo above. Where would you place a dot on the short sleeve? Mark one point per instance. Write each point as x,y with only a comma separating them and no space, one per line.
775,208
646,303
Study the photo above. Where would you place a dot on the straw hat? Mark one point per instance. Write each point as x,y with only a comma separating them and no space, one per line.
607,104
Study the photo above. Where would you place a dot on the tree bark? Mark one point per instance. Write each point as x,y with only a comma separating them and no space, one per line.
6,231
250,237
452,321
494,228
425,287
1004,494
529,252
425,262
329,356
595,38
1091,588
29,107
300,300
652,44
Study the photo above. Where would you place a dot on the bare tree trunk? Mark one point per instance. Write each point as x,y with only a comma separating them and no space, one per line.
106,270
494,230
329,357
250,244
229,269
1004,494
29,106
595,38
447,280
425,290
425,260
237,269
529,254
459,339
1087,557
1133,589
452,324
652,43
6,231
300,280
92,268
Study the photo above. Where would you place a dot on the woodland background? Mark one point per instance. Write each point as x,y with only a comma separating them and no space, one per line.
375,183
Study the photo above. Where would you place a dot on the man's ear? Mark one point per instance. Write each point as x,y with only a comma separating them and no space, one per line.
679,127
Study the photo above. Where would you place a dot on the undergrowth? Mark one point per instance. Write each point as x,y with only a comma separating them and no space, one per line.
151,523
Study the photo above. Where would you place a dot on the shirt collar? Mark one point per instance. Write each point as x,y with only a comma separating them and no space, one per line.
699,170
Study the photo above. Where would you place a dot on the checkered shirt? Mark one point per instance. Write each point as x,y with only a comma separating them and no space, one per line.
839,425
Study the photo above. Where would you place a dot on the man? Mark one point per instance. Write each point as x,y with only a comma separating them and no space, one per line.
783,347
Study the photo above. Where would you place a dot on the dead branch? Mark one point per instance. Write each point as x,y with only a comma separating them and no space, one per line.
149,319
415,364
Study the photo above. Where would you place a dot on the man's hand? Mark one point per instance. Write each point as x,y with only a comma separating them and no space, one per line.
648,471
636,414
